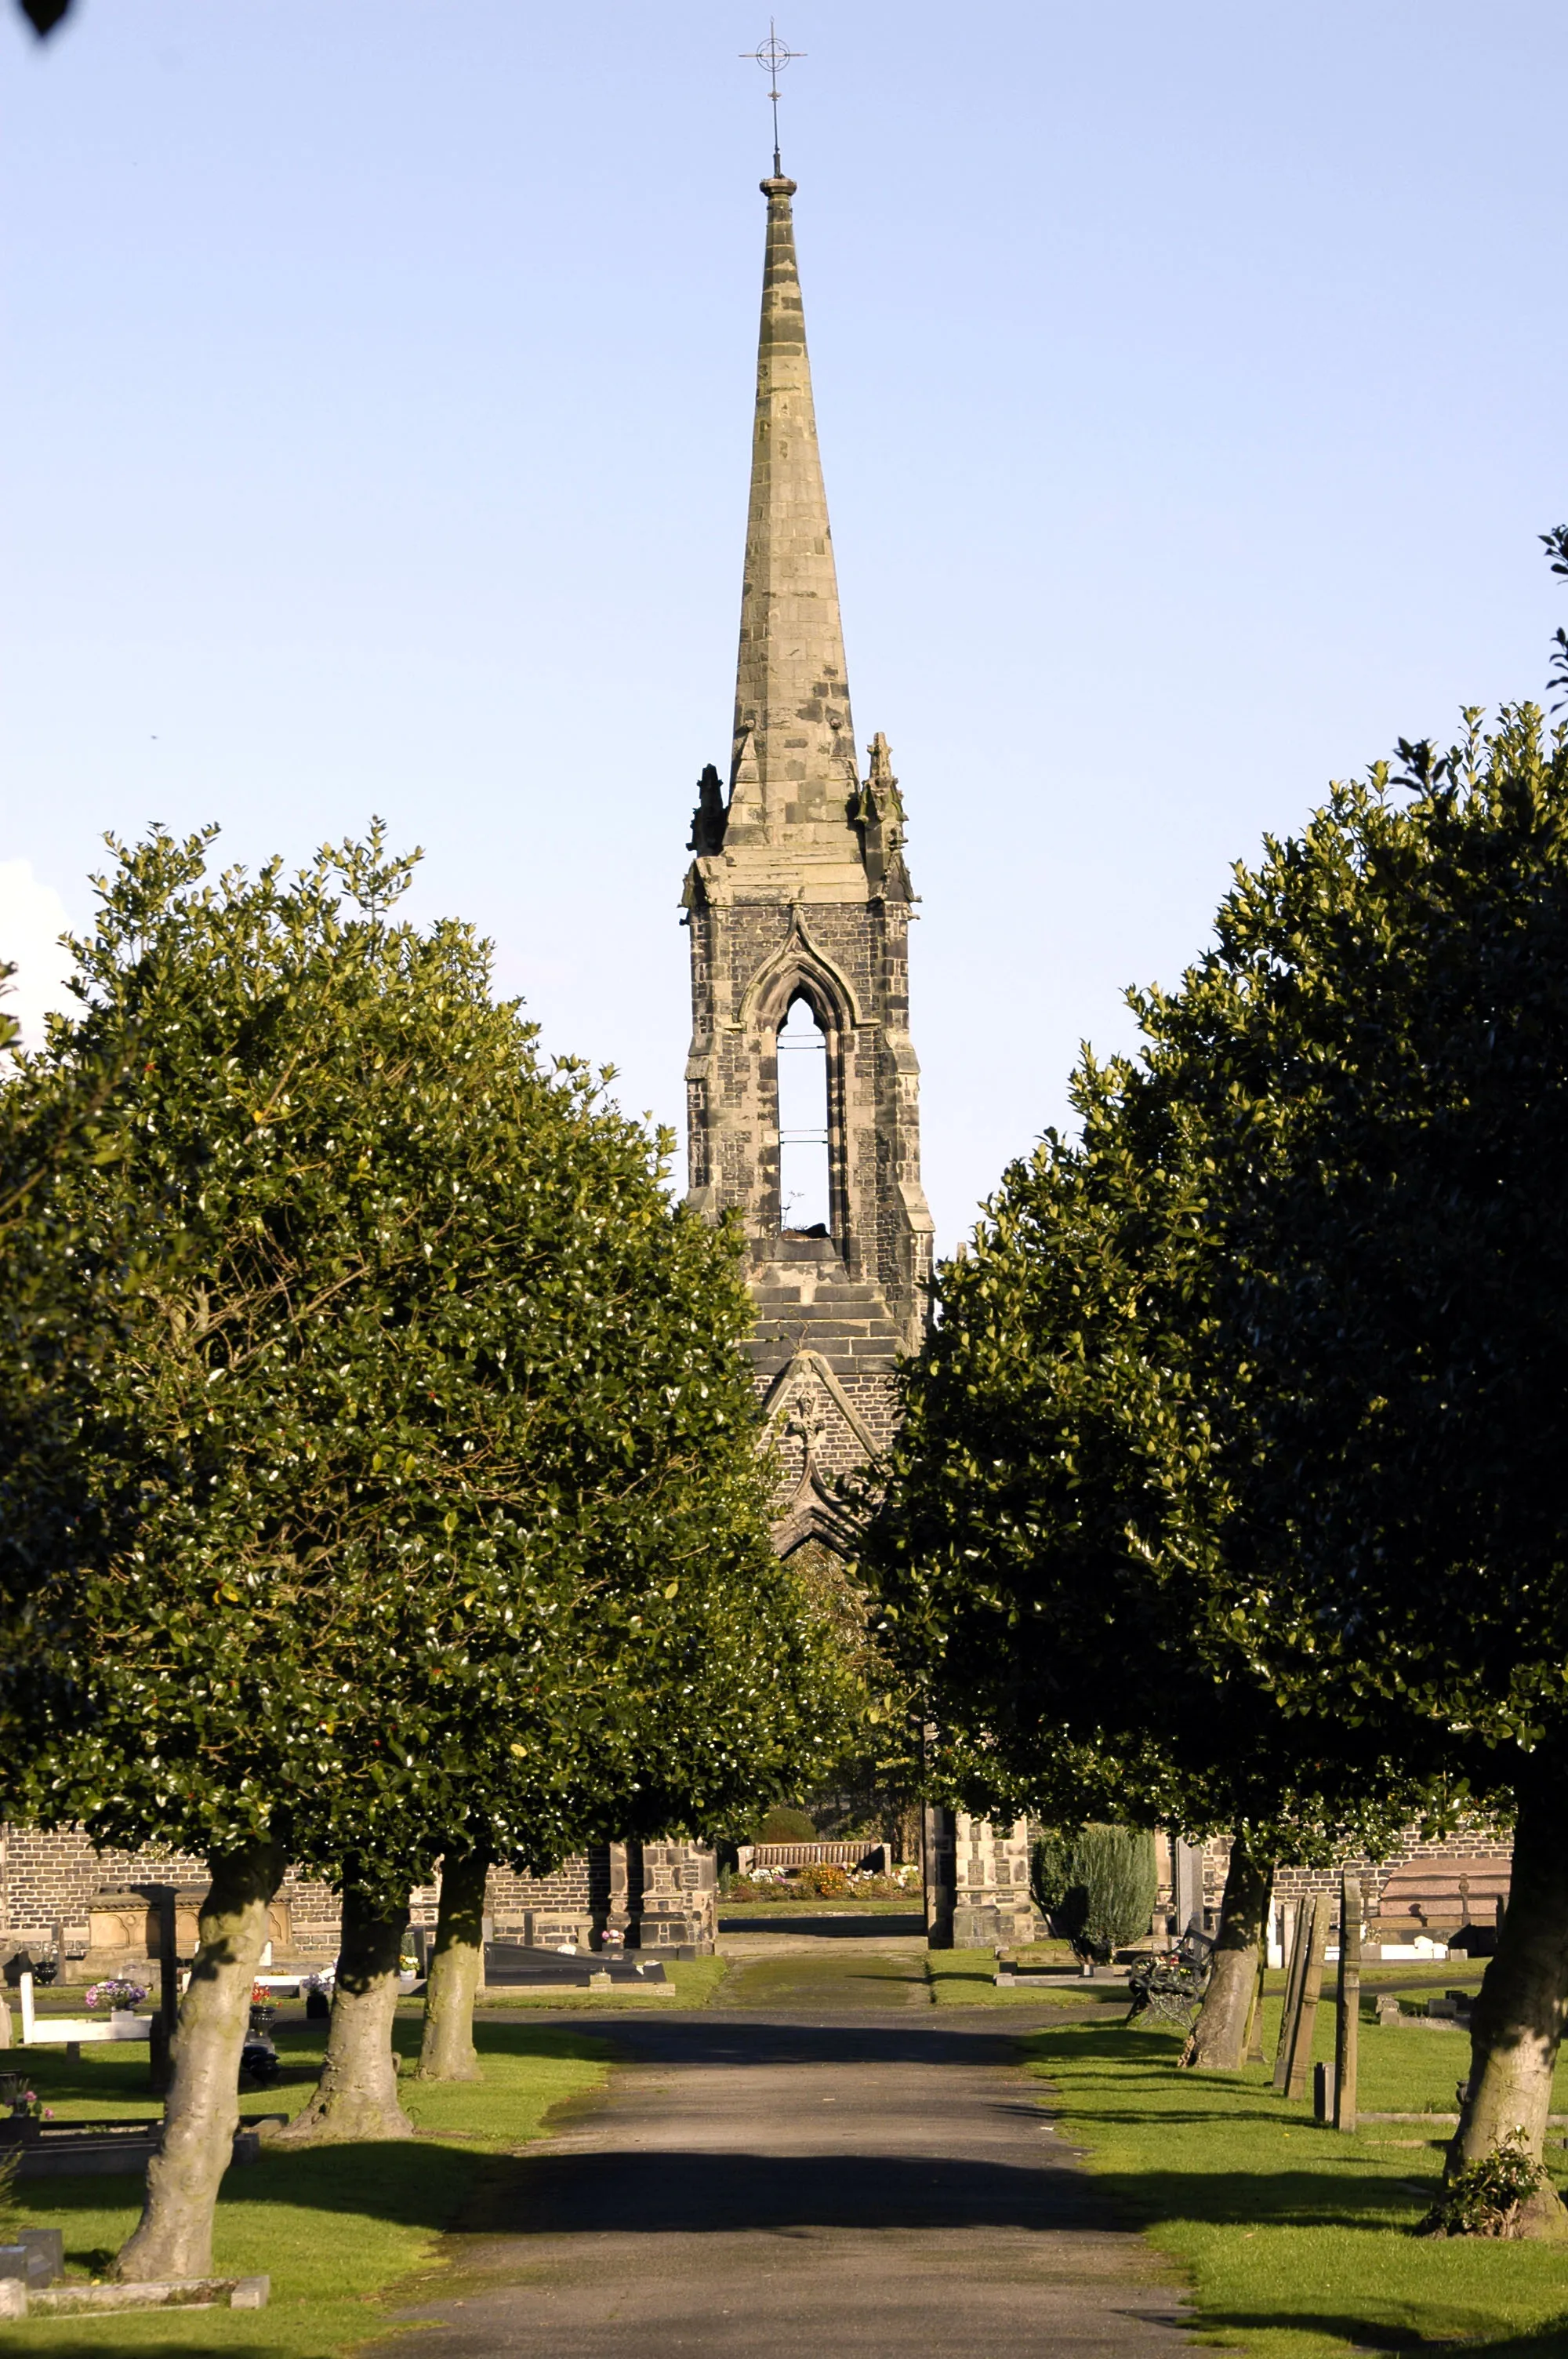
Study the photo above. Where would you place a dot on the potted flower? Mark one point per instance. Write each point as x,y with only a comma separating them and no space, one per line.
118,1994
23,2123
264,2010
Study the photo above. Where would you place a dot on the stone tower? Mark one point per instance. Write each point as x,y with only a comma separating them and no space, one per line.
798,903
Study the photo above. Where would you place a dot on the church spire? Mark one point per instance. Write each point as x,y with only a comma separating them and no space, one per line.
793,770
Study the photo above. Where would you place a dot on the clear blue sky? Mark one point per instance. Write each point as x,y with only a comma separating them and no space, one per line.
1191,383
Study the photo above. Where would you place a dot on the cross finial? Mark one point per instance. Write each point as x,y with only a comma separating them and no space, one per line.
773,55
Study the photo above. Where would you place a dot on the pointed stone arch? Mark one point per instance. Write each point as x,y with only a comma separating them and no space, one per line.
801,1409
798,967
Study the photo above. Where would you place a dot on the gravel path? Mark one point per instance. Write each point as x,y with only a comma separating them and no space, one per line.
823,2177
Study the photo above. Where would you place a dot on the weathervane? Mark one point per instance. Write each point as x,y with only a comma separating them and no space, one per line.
773,55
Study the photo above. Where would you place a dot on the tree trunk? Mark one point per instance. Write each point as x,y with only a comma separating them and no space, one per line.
356,2096
174,2238
1219,2038
1519,2015
447,2051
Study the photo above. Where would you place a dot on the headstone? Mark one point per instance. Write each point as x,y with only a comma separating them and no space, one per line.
941,1872
1254,2042
1347,2012
1295,1970
46,2248
1311,1989
1186,1872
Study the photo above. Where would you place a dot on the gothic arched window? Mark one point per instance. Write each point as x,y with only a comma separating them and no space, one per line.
804,1191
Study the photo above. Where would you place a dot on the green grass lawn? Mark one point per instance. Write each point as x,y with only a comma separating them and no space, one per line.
854,1975
336,2228
1296,2240
967,1978
695,1981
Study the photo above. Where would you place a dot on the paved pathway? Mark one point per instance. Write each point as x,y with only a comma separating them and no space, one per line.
835,2179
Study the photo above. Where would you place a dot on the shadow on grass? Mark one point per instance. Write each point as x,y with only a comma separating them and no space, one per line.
100,2346
1119,2044
424,2184
413,2183
822,1980
1366,2333
1335,2185
1257,2199
517,2040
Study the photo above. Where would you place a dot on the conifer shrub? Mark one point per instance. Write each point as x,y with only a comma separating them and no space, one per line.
1051,1875
1096,1886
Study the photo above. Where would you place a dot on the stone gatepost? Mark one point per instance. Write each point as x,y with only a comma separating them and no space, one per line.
615,1889
977,1892
679,1909
937,1849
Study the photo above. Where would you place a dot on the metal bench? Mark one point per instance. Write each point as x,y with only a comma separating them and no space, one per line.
1170,1988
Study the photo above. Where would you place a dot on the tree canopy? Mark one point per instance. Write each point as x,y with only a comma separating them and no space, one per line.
1230,1485
426,1464
1385,1023
413,1487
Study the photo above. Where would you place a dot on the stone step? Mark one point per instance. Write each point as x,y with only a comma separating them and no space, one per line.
830,1305
780,1290
840,1351
823,1339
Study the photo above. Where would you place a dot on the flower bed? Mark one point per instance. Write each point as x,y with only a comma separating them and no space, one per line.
822,1882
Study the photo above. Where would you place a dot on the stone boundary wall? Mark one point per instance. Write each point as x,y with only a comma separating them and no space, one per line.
1292,1881
48,1879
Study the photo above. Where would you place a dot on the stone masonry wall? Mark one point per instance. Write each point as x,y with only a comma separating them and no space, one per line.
50,1879
1291,1882
874,1110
